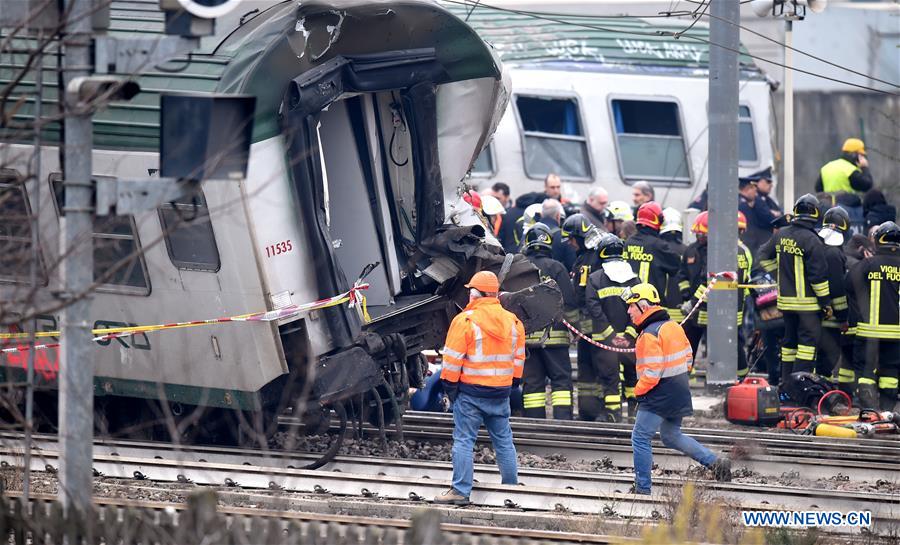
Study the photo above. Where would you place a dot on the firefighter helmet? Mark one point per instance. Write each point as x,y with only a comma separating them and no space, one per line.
671,221
485,282
610,246
742,221
887,234
650,215
807,208
538,236
701,224
620,211
837,219
638,292
576,225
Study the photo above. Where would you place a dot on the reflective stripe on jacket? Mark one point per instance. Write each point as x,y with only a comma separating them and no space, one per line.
485,347
664,360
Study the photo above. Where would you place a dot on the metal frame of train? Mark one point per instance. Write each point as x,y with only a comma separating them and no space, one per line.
368,117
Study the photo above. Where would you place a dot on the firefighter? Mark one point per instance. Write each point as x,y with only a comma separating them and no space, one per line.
548,350
652,258
692,281
664,360
874,288
835,227
482,361
798,256
602,379
584,236
672,231
619,214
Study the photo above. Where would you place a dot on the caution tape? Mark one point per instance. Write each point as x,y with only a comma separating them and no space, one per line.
353,296
714,278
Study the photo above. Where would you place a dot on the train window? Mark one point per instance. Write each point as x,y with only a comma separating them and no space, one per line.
746,141
190,239
650,141
484,164
554,139
15,231
119,263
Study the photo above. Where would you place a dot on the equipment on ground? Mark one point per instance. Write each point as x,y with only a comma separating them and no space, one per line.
753,402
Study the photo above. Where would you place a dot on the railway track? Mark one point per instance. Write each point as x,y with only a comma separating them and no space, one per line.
541,490
770,454
328,522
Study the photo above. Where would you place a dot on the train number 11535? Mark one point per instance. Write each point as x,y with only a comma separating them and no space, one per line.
279,248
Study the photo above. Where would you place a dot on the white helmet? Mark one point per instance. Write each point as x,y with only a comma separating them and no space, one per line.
620,211
671,221
491,206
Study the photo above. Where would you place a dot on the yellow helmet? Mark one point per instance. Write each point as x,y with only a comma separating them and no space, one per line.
854,145
620,211
641,291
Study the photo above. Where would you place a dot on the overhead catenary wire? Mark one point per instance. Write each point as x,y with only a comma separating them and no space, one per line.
574,20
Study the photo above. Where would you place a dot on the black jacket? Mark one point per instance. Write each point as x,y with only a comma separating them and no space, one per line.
586,262
798,254
873,286
562,250
671,299
652,258
836,261
553,269
609,313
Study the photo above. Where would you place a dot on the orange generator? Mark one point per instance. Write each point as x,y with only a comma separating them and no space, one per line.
752,402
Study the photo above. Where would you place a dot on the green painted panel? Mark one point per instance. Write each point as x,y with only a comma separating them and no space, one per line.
623,43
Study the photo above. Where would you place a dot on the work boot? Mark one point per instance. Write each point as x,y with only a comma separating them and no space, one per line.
868,396
721,468
451,497
640,492
607,415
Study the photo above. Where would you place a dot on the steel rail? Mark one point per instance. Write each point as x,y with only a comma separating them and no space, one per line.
576,492
545,536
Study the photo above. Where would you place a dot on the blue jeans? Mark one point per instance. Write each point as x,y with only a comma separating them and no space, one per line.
645,426
468,414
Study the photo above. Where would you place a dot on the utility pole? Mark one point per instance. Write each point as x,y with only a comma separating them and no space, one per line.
723,181
788,200
76,383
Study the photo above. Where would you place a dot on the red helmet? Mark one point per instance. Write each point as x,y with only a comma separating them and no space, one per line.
650,214
701,224
473,198
742,221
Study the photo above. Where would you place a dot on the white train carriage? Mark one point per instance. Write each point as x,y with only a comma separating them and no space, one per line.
611,101
368,116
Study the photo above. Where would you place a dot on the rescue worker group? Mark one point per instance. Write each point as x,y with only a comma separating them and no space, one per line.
821,299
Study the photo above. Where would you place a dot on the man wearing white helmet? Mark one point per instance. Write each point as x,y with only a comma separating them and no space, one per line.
672,232
618,212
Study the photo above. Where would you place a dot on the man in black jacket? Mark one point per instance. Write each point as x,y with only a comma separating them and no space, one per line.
874,288
834,231
652,258
600,380
798,255
548,350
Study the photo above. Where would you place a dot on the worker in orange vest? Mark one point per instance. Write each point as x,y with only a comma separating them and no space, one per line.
483,359
664,359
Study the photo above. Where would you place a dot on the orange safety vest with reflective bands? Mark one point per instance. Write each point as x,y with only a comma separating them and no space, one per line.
485,346
661,351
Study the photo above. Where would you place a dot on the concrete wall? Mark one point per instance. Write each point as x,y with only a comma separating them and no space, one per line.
822,120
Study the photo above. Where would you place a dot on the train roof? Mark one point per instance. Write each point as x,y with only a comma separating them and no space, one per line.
582,42
258,57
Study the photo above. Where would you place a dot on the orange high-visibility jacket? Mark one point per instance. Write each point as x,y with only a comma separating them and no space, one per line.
662,351
485,346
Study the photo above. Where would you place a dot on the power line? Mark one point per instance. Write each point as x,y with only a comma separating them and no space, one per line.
553,17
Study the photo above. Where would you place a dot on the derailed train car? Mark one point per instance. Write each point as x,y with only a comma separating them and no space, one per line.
368,116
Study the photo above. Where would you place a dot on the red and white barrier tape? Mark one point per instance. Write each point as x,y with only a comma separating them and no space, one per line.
353,296
713,278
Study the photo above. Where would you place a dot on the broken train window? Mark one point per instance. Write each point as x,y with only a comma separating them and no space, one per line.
650,141
554,139
119,263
